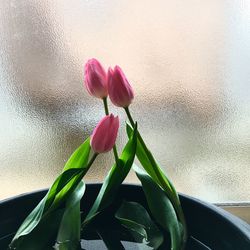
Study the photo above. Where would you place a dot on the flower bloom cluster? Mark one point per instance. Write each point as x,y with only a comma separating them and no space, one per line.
114,83
101,84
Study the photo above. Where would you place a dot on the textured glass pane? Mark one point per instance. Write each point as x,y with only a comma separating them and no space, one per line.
187,60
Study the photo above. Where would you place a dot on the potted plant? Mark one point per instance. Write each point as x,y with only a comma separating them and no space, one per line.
150,216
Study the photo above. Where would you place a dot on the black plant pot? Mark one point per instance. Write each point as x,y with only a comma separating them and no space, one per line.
209,227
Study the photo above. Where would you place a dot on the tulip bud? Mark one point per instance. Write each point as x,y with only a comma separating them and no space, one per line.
120,91
104,135
95,79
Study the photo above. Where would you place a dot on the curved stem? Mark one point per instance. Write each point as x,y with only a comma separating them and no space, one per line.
105,103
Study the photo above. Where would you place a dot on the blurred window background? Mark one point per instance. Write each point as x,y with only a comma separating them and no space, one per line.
188,62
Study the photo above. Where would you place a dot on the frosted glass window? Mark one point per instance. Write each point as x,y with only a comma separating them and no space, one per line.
188,62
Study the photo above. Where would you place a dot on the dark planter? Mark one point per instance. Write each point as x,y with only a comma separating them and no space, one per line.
209,227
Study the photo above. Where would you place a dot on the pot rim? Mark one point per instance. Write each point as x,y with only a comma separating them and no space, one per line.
229,219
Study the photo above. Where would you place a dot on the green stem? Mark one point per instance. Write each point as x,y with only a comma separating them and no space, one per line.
173,196
92,160
129,117
105,103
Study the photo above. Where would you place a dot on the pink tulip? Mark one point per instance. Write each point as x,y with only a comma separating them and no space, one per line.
105,133
95,79
120,91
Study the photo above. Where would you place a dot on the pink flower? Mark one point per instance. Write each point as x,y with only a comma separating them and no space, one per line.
120,91
104,135
95,79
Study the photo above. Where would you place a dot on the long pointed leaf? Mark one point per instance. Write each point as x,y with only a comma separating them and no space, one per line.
154,170
79,158
60,189
148,162
68,237
43,236
35,216
161,208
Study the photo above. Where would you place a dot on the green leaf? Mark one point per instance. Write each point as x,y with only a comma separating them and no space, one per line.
43,236
59,191
161,208
153,169
137,230
33,219
79,158
148,162
60,183
114,178
30,222
135,217
69,232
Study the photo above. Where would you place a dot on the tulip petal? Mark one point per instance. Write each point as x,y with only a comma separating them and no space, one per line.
95,78
120,91
104,135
